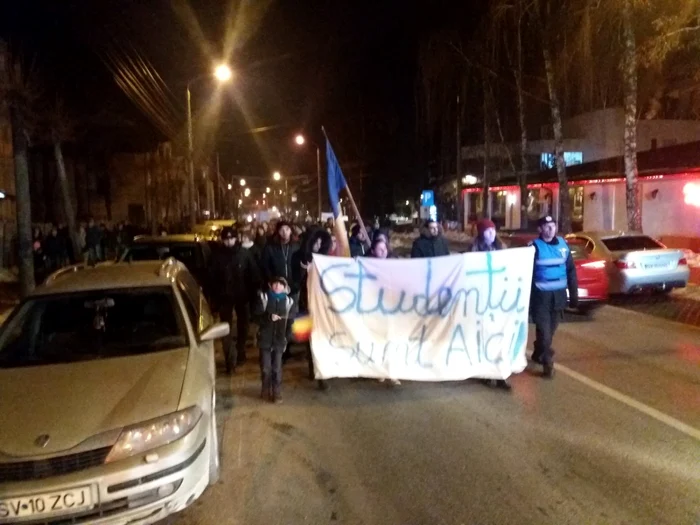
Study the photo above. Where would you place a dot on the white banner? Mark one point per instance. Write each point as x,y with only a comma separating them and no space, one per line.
439,319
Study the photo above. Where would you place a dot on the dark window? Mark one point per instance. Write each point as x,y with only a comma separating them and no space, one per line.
578,250
188,254
654,143
631,242
92,325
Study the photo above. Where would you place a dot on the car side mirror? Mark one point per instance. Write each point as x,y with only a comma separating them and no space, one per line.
216,331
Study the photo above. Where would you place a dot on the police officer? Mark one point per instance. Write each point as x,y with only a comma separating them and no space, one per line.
553,273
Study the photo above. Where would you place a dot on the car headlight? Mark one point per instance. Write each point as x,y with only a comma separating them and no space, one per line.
154,433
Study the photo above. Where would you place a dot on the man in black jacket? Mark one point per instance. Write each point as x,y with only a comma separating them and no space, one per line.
235,279
431,243
277,256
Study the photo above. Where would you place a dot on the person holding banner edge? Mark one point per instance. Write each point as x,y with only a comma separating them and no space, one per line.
487,241
554,272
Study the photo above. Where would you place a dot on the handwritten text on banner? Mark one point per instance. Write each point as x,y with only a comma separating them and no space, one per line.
444,318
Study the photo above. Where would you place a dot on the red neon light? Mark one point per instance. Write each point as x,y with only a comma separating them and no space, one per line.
583,183
691,194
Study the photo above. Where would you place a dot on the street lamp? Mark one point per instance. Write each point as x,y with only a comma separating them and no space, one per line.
223,74
278,176
230,186
300,141
247,192
242,182
267,190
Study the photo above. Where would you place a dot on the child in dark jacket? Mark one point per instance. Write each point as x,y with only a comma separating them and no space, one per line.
273,308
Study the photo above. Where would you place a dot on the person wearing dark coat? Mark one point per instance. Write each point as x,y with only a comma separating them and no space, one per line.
235,279
276,260
93,242
55,250
316,240
273,308
431,243
359,243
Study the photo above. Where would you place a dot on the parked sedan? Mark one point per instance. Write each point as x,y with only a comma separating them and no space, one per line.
107,376
636,262
590,271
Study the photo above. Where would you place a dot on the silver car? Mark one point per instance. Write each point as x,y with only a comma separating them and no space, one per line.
107,390
636,262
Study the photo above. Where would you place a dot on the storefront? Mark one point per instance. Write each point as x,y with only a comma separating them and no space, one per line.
670,204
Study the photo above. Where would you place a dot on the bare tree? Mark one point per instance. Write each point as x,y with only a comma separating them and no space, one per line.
549,27
60,129
629,74
19,93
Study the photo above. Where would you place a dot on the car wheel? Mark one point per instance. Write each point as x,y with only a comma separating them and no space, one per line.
214,458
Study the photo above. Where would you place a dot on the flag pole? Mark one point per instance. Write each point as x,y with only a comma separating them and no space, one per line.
352,200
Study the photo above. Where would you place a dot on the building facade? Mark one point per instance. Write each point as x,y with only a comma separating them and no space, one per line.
669,184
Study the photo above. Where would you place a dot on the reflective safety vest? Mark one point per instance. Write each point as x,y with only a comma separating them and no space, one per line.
550,265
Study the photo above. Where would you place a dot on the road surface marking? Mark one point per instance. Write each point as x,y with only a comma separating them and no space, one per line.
631,402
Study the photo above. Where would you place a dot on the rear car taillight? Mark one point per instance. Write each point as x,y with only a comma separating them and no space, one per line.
683,261
594,264
625,265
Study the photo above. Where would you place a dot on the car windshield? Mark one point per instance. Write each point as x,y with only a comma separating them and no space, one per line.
628,243
91,325
578,251
185,253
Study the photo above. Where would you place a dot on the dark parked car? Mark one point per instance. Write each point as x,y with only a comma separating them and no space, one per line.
190,249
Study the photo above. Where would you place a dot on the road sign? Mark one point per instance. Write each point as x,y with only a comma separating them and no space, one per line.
427,198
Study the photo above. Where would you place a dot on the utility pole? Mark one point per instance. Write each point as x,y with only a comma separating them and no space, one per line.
190,161
458,170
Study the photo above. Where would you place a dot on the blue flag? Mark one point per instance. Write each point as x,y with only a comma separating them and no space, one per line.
336,180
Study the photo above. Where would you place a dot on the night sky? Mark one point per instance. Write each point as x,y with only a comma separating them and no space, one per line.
347,65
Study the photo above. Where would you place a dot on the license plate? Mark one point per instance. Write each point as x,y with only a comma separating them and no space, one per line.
40,505
656,266
582,292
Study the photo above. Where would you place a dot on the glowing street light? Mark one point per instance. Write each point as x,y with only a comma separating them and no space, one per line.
267,190
223,73
230,186
277,175
300,141
242,182
407,203
247,192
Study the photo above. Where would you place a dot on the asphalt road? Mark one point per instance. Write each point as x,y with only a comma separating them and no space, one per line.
613,439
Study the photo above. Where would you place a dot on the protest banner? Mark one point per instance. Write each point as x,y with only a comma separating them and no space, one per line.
438,319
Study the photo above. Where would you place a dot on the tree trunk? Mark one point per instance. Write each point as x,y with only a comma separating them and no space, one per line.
629,73
486,208
24,207
68,209
564,200
522,179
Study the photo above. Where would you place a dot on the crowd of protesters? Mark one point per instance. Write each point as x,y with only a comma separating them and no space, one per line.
258,270
262,269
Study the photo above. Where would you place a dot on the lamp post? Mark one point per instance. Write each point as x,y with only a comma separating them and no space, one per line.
277,176
223,74
300,141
